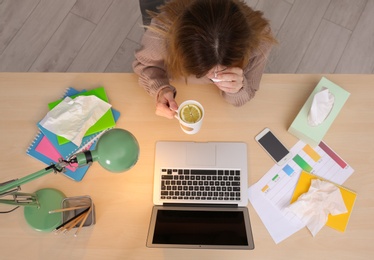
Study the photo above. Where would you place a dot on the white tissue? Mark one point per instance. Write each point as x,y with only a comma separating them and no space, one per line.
322,103
314,206
216,80
71,118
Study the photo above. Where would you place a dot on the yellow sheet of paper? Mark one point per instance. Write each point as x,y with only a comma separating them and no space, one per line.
338,222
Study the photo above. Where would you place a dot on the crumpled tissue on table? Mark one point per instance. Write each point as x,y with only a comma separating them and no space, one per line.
322,104
71,118
314,206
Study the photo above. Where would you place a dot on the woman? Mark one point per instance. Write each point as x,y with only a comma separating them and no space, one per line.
223,42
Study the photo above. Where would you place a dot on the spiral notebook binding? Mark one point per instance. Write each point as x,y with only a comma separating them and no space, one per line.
86,144
33,143
66,93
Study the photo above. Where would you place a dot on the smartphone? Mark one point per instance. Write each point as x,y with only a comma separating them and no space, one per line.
271,144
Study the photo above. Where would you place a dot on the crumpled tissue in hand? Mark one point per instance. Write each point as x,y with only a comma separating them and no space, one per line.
314,206
71,118
322,104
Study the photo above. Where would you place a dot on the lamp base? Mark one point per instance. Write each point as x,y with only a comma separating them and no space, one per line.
39,218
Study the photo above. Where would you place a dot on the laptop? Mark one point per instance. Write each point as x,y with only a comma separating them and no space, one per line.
200,196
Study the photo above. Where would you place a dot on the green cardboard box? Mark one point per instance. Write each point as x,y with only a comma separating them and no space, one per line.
313,135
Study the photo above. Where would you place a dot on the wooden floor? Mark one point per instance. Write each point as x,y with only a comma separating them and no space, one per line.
319,36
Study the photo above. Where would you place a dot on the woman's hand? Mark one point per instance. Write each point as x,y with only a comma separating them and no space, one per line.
229,80
166,105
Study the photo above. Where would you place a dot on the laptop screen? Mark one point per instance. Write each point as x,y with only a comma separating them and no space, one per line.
197,227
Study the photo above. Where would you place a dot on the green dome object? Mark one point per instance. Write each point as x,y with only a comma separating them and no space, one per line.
38,217
117,150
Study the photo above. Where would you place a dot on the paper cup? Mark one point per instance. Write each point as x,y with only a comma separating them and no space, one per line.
187,127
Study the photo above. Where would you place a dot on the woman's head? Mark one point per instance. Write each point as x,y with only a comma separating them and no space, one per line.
202,34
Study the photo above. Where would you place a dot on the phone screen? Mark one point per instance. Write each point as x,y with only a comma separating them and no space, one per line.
273,146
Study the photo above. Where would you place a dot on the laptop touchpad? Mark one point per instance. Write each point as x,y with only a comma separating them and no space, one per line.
201,154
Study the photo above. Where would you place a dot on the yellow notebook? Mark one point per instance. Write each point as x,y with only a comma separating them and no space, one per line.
338,222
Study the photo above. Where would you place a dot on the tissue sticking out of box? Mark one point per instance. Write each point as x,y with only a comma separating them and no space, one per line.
323,102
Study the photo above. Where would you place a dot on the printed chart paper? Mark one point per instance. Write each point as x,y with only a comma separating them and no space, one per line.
273,192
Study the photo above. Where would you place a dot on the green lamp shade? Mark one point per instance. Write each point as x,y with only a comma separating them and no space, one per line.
117,150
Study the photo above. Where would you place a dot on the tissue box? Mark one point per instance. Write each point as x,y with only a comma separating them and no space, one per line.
313,135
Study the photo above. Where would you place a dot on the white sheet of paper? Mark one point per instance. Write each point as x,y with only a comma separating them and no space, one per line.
279,225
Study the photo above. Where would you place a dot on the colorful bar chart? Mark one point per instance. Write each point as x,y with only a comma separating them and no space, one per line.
275,178
333,155
302,163
280,181
312,153
288,170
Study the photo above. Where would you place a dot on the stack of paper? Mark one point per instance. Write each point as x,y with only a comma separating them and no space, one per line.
273,193
49,147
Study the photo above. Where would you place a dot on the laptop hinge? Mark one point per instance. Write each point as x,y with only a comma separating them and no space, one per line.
200,205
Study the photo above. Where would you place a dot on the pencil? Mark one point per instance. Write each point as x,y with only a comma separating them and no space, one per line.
73,218
75,222
67,209
68,226
83,221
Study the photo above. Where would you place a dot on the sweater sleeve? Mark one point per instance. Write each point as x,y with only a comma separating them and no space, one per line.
149,63
252,77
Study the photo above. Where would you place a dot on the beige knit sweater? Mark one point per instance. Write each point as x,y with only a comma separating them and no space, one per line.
149,65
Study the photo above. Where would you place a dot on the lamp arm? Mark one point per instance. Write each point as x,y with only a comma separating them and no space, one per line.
22,199
58,167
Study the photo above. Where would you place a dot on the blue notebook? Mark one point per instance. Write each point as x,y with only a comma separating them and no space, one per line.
68,149
76,174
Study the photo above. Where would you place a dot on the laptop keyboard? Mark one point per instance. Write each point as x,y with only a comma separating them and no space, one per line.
197,184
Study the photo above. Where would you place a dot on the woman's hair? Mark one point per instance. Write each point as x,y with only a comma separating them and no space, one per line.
201,34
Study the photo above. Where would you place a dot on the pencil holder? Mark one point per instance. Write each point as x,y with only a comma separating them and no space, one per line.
79,201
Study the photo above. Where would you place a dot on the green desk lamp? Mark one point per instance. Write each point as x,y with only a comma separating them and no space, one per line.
117,151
